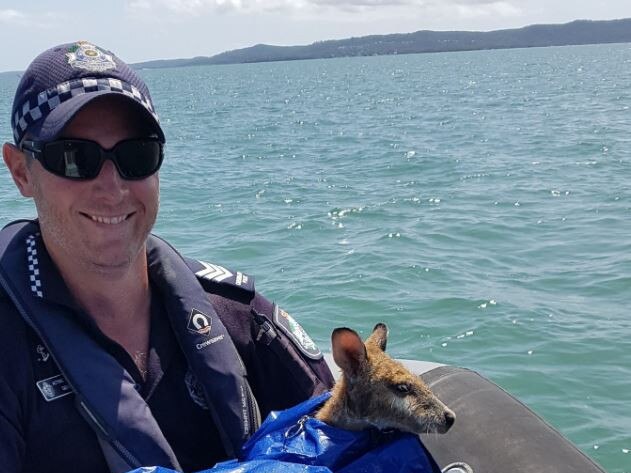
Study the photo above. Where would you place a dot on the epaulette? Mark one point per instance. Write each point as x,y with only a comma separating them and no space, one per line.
223,282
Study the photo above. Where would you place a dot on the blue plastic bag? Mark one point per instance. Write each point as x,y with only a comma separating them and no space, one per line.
292,441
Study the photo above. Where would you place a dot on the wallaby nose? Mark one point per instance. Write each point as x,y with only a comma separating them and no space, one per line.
450,418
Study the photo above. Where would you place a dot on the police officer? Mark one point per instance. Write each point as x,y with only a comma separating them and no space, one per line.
117,352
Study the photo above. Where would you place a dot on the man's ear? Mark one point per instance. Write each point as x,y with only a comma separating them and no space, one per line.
16,163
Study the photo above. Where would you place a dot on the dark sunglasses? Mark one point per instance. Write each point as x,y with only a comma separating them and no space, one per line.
135,158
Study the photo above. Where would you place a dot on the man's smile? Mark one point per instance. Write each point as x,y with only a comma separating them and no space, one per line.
109,220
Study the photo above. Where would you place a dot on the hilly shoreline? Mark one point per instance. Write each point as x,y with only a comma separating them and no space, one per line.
577,32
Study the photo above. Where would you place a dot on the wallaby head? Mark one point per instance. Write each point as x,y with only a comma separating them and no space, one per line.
375,390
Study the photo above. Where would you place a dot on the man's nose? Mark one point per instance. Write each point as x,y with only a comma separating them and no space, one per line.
108,176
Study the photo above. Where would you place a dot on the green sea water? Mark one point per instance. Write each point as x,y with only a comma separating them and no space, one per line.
479,203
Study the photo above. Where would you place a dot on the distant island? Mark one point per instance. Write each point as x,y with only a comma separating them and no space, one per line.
574,33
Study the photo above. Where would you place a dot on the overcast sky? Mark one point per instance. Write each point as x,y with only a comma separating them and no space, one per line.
140,30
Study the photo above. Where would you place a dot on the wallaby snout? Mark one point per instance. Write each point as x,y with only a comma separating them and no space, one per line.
377,391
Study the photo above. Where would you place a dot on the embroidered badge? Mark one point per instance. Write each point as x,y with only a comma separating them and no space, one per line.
54,388
86,56
296,334
198,322
42,353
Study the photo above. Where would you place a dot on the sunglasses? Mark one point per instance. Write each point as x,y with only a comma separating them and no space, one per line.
134,159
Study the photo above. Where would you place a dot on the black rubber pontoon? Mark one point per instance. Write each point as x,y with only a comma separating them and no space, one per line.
494,432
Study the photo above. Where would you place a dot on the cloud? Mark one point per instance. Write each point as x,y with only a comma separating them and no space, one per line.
11,16
43,20
425,8
463,8
196,6
483,8
365,3
188,6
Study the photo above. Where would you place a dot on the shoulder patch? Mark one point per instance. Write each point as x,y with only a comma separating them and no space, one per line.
213,272
296,334
222,281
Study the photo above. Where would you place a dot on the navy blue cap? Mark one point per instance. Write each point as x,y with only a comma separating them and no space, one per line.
65,78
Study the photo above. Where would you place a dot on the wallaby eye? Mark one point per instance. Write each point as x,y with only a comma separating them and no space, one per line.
402,388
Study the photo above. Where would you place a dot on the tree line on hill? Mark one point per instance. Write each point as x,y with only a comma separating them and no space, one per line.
574,33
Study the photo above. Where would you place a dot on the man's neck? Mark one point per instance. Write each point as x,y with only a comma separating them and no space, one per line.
110,295
118,300
112,300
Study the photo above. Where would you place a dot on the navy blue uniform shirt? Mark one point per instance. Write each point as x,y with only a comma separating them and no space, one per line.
38,436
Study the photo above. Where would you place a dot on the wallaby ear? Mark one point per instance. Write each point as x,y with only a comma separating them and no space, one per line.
379,336
349,351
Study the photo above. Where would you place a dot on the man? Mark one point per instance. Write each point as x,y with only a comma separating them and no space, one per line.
116,351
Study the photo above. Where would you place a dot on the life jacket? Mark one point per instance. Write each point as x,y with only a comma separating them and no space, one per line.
105,393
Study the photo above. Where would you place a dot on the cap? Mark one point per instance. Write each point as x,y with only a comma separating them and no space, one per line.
65,78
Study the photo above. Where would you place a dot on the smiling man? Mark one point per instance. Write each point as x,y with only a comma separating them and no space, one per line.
117,351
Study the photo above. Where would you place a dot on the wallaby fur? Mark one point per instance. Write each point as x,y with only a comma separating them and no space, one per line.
375,390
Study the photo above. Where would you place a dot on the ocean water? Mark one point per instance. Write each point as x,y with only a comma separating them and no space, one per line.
479,203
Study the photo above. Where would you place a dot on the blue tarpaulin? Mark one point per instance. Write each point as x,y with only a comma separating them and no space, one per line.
292,441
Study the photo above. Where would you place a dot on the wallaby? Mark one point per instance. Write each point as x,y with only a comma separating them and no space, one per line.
375,390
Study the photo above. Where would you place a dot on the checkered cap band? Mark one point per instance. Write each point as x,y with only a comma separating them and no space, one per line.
41,105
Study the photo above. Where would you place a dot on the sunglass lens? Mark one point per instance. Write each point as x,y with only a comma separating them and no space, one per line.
73,159
138,159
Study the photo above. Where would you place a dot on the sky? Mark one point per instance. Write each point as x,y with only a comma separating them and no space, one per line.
141,30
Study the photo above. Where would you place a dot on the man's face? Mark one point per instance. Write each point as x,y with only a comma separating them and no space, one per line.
101,224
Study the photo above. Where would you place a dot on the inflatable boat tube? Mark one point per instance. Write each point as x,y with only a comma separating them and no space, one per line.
494,432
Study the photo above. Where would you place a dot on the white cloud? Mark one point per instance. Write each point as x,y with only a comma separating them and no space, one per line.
482,8
11,16
334,18
196,6
43,20
366,3
426,9
191,6
462,8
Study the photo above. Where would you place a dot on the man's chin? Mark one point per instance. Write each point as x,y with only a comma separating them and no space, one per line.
114,262
113,267
114,253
